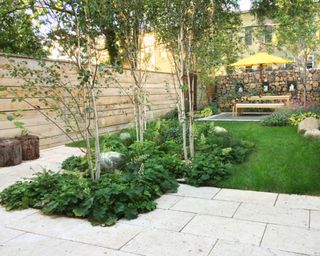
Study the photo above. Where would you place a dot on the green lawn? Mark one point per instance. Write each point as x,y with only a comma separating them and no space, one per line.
283,161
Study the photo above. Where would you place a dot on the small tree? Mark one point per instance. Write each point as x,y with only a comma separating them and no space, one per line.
182,26
127,21
71,107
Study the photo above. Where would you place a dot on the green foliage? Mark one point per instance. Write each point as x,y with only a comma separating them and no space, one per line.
172,114
216,153
112,143
296,118
75,163
276,119
207,170
19,32
207,111
103,202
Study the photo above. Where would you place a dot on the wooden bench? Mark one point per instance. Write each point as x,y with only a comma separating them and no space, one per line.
284,98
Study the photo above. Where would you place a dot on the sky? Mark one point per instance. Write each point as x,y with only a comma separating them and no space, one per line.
245,5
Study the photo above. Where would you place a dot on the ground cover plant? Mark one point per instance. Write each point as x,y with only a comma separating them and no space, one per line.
151,168
282,161
285,117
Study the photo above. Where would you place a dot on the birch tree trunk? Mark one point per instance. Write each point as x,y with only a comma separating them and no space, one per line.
182,114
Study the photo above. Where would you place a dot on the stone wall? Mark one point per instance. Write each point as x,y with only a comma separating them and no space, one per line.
227,86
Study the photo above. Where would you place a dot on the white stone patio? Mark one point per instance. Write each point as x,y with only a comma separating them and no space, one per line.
193,222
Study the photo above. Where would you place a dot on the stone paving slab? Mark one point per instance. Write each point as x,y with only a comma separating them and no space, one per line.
167,201
253,197
201,192
37,245
275,215
46,225
299,201
226,228
7,234
227,248
77,230
204,206
292,239
315,219
113,237
162,219
7,217
164,243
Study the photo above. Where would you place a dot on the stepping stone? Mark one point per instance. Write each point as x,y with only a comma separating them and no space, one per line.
167,201
201,192
165,243
297,201
113,237
205,206
315,219
7,234
275,215
253,197
37,245
162,219
292,239
227,248
226,228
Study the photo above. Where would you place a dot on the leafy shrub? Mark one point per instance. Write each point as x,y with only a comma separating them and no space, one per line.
296,118
103,202
276,119
214,108
207,170
172,114
75,163
207,111
112,143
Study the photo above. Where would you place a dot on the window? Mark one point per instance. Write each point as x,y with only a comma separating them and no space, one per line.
248,36
310,62
268,35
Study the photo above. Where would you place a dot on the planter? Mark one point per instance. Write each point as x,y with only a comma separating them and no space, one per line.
10,152
30,147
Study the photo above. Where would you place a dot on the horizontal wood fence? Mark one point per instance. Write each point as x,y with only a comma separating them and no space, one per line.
114,107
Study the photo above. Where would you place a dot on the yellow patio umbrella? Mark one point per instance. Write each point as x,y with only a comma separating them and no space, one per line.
261,59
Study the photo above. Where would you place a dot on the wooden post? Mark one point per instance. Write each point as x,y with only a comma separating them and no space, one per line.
10,152
30,147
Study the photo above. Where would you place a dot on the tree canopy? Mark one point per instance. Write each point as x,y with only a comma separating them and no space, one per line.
19,34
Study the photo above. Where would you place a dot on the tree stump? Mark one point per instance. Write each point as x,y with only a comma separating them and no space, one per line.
30,147
10,152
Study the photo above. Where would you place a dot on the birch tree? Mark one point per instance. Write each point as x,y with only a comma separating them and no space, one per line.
182,26
72,107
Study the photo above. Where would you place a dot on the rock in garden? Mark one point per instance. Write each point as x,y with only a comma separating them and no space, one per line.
310,123
218,129
126,138
111,160
314,133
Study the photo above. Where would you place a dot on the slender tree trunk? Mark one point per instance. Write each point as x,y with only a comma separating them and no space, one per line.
97,142
182,114
191,99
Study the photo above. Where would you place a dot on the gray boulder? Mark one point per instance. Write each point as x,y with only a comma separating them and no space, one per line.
314,133
310,123
111,160
219,130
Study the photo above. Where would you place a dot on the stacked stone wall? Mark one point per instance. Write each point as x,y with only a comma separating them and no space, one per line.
279,81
